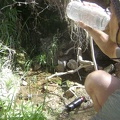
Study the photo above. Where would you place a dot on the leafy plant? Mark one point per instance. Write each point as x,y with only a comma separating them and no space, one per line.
51,52
23,111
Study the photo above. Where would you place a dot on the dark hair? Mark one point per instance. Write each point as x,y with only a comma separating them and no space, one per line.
116,6
118,34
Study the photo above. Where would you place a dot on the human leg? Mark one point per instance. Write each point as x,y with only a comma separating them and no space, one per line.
99,85
111,109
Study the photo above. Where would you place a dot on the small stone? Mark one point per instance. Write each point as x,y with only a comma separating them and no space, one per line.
61,66
109,68
51,88
29,96
24,83
68,94
72,64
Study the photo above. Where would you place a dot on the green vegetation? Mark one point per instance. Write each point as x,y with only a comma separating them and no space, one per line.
29,33
23,111
32,30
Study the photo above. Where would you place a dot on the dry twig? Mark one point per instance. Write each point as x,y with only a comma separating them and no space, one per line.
68,72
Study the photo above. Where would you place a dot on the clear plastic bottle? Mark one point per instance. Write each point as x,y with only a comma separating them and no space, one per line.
94,16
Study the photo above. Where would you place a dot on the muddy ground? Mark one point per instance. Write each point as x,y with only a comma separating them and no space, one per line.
57,94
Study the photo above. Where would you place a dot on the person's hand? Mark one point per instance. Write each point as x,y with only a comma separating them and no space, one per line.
83,25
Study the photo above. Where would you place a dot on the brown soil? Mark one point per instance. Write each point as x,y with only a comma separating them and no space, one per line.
56,94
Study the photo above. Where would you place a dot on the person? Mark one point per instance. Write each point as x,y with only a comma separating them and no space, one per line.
102,87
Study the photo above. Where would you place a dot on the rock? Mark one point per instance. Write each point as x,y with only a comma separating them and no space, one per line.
72,64
36,66
24,83
51,87
89,68
68,94
61,66
117,69
109,68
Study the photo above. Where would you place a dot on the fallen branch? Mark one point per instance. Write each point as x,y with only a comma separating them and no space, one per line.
82,64
68,72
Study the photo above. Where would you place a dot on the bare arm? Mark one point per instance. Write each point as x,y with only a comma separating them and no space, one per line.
102,39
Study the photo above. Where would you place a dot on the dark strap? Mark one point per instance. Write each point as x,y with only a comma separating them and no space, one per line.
117,35
116,59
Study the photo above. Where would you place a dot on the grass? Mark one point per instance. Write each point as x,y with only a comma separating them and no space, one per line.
12,36
10,107
23,111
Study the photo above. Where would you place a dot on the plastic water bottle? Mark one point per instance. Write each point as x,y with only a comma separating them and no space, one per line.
91,14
